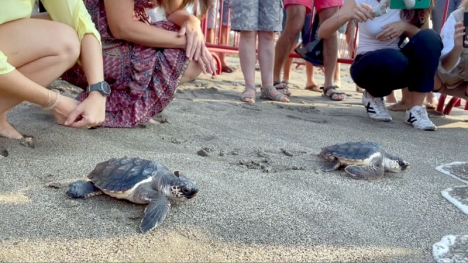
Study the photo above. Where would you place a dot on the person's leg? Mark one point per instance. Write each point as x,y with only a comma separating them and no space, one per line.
247,57
225,31
269,22
437,15
294,23
310,82
325,10
244,19
38,62
379,73
287,66
423,52
403,104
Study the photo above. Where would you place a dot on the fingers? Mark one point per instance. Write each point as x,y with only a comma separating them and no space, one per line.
363,12
72,117
182,31
189,49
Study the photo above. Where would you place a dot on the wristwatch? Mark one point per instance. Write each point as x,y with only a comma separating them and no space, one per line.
103,87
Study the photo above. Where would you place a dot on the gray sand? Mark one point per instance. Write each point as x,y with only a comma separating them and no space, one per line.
264,199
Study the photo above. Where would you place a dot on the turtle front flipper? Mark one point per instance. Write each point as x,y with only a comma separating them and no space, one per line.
374,170
82,189
155,212
332,166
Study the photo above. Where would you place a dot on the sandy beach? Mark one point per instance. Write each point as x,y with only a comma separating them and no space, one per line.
263,197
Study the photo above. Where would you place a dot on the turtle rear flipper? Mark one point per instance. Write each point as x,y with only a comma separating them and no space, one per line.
374,170
155,212
82,189
332,166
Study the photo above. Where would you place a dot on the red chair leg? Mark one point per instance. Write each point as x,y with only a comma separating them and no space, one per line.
218,63
450,105
458,104
440,105
466,104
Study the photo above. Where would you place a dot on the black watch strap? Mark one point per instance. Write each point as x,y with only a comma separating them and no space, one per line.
103,87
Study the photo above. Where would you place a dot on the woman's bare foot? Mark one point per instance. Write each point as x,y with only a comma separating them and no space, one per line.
399,106
431,101
7,131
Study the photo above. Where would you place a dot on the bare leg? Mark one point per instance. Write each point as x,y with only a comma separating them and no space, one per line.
310,82
405,102
431,101
192,72
459,92
247,57
224,34
294,22
266,54
417,99
287,65
391,98
38,62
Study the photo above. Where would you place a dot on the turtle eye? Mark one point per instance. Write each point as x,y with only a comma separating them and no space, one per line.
176,173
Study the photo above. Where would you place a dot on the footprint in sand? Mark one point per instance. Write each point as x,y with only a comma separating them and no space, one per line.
451,249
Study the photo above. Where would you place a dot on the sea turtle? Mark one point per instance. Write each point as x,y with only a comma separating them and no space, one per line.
362,160
139,181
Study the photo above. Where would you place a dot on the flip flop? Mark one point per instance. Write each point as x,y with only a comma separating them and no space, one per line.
313,87
227,69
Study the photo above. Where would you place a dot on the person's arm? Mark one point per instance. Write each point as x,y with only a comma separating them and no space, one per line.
451,53
75,14
349,11
122,26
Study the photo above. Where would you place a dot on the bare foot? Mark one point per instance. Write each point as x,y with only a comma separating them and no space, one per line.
399,106
7,131
431,102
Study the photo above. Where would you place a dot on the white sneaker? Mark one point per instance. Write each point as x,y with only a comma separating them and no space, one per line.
375,108
417,116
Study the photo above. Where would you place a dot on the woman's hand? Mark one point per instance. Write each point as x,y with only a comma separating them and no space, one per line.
458,35
91,112
392,31
196,49
195,38
363,12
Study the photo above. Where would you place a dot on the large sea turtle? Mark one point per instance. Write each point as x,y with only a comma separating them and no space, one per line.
362,160
139,181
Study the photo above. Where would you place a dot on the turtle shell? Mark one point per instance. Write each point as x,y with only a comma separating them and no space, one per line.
122,174
352,150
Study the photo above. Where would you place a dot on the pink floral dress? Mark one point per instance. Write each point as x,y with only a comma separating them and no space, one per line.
143,79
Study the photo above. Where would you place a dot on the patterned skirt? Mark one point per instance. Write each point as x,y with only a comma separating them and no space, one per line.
143,79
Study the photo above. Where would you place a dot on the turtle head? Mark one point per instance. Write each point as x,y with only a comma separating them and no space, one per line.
181,187
395,164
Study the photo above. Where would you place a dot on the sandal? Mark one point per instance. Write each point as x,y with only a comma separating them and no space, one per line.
313,87
248,97
227,69
282,87
333,94
278,96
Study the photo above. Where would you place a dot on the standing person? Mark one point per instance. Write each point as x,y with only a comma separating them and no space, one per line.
260,18
37,51
296,11
382,64
145,62
224,28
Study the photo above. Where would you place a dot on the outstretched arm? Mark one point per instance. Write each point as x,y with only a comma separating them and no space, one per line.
90,112
349,11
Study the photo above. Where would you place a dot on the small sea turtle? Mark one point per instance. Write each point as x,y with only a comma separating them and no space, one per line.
139,181
362,160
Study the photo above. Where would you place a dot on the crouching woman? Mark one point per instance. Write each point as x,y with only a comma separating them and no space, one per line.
386,60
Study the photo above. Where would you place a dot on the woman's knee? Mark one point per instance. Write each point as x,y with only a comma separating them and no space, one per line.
428,42
67,46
